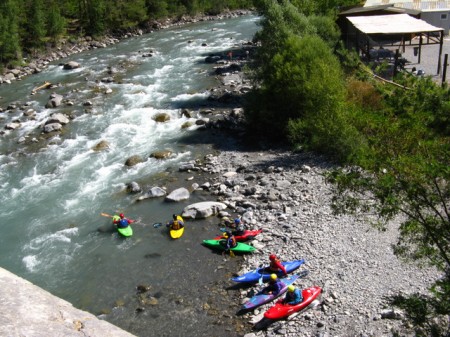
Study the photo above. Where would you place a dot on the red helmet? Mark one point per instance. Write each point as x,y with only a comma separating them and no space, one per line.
272,257
122,215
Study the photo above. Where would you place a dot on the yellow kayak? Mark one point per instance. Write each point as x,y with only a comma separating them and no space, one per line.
176,233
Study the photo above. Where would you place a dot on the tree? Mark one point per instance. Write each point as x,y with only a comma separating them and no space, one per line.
156,8
56,23
9,33
35,25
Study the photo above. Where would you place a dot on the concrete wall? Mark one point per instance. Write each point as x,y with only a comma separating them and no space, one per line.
29,311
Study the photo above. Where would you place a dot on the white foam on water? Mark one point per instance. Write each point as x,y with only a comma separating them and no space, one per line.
47,240
31,262
188,97
50,249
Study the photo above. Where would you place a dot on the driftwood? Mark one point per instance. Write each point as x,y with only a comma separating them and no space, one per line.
46,85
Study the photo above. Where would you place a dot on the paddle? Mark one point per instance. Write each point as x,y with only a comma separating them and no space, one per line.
232,253
111,216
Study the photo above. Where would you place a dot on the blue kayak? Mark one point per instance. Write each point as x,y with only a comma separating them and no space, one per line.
261,298
255,275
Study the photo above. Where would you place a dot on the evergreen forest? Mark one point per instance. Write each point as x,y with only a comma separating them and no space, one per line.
28,26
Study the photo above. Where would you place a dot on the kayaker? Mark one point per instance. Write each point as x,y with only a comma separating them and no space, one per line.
276,265
293,296
176,223
120,221
274,287
230,241
239,227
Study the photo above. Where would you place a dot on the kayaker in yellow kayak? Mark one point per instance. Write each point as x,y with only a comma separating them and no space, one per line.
176,223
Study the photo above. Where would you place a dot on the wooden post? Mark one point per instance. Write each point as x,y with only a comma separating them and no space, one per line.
441,42
444,71
420,48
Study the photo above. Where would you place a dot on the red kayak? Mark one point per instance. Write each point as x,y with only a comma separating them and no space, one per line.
248,235
280,310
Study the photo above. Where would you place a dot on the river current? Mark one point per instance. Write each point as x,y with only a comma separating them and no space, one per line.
52,194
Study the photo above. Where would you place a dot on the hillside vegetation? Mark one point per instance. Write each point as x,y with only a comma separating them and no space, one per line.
28,26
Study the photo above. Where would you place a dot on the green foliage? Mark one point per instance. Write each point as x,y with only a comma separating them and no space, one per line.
156,9
35,25
9,31
56,23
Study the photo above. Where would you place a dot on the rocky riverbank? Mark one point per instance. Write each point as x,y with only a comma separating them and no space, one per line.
285,194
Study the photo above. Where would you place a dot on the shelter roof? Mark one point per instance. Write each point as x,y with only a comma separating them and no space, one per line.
389,8
391,24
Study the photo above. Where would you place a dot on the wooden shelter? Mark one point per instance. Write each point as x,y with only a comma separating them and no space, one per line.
365,33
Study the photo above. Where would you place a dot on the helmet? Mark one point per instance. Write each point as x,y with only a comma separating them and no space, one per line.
291,288
273,277
174,216
272,257
225,234
122,215
237,221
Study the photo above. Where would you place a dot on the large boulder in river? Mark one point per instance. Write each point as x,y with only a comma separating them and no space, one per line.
133,187
54,101
163,154
133,160
201,210
161,117
52,127
102,145
71,65
178,195
154,192
57,118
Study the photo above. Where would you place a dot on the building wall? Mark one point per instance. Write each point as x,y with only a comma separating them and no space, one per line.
439,19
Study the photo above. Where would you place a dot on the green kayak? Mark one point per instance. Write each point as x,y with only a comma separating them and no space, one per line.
220,244
127,231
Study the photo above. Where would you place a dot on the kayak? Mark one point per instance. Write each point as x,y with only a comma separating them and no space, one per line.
248,235
254,275
219,244
127,231
280,310
261,298
176,233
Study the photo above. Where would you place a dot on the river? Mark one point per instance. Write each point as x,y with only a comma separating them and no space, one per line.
52,193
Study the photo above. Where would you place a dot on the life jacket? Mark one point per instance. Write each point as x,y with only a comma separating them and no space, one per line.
123,223
232,241
175,225
274,265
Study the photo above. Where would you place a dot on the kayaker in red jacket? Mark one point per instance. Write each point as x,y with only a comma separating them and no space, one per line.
120,221
276,265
